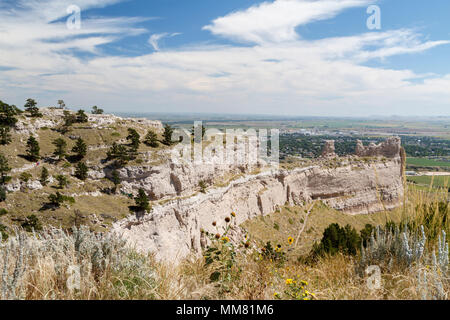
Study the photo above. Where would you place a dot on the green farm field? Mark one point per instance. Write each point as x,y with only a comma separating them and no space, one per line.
427,162
438,181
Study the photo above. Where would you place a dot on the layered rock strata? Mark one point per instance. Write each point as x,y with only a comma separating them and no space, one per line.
356,186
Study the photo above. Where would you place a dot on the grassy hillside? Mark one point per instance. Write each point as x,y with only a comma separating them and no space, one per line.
94,205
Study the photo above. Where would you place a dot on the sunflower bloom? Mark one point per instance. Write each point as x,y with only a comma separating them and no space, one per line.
290,240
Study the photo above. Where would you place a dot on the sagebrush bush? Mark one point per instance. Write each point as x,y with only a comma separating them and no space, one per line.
391,249
56,264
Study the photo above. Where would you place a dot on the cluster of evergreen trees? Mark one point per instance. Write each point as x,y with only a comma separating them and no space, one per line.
124,153
345,240
121,153
8,114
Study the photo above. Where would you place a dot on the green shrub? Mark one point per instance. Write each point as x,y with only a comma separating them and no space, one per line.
2,194
32,223
203,186
151,139
366,233
338,240
58,199
4,232
5,136
81,171
33,149
134,138
62,181
142,202
44,176
25,177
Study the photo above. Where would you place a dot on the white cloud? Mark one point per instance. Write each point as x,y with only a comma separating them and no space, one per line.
296,76
276,21
154,38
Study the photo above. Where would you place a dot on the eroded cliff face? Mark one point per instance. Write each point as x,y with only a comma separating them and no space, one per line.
173,230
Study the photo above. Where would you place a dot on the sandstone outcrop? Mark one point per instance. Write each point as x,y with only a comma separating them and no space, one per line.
389,148
329,149
173,230
169,180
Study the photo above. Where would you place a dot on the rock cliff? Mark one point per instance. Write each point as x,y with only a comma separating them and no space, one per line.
351,184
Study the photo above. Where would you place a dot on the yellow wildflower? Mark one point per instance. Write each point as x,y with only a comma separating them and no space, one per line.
289,281
290,240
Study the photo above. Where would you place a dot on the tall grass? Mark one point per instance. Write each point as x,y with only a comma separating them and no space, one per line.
55,264
412,256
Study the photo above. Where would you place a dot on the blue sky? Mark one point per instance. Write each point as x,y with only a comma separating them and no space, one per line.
282,57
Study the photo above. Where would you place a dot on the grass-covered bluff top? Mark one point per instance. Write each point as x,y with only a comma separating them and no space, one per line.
49,157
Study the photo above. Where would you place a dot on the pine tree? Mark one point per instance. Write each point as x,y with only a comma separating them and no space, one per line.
44,176
142,202
119,153
60,150
81,171
30,106
69,118
33,149
5,136
62,181
80,148
7,114
61,104
2,194
4,169
82,117
168,132
115,178
112,152
151,139
96,110
135,138
56,199
122,157
32,223
25,177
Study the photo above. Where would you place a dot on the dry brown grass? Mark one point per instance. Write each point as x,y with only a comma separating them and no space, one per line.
331,278
254,277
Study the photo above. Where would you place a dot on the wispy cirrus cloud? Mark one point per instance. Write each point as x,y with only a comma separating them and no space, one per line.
154,39
276,21
276,71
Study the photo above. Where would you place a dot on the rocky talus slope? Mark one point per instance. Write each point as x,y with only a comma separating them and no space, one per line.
352,184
